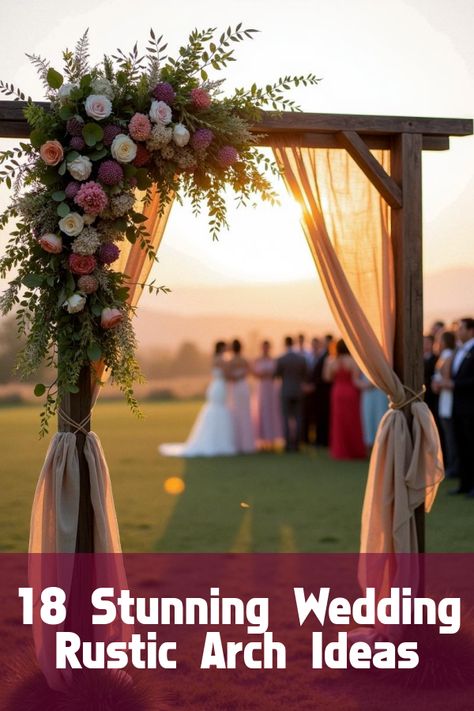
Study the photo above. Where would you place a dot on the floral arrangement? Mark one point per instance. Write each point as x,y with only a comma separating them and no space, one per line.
111,132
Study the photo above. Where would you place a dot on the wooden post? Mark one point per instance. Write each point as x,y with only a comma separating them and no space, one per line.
407,237
77,406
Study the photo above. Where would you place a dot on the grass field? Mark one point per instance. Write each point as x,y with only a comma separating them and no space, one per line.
300,503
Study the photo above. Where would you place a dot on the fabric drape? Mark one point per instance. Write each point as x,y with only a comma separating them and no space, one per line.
346,223
135,263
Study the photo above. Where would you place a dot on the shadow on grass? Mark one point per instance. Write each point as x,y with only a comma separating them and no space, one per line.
267,503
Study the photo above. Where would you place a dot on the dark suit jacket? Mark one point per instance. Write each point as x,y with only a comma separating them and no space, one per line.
292,370
463,401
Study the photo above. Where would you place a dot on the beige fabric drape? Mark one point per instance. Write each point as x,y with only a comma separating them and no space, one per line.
346,223
135,263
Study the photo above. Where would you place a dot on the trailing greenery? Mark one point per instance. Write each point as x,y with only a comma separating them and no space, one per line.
135,121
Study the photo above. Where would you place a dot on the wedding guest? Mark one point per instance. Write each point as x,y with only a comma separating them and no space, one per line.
374,405
445,402
292,369
345,433
307,390
429,362
322,395
461,383
237,370
267,415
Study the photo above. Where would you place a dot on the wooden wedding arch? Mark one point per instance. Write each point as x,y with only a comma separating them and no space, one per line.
406,138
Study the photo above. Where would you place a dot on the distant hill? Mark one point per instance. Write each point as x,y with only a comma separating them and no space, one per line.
256,311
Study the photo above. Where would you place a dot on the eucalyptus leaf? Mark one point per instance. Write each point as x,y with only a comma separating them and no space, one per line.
92,133
59,196
33,280
94,352
40,389
63,209
54,78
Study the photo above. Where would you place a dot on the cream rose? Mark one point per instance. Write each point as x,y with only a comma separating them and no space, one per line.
98,106
181,135
160,112
72,224
52,152
64,91
123,149
80,168
51,243
110,318
102,86
75,303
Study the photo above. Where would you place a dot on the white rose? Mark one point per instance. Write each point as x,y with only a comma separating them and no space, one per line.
102,86
75,303
65,90
160,112
181,135
80,168
123,149
72,224
98,106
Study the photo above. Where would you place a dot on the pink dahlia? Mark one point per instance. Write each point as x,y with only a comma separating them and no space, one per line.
92,198
139,127
164,92
202,139
110,131
72,189
200,98
110,172
78,143
142,157
227,156
82,263
74,126
109,253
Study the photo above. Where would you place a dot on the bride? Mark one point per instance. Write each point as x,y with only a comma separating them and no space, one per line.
212,434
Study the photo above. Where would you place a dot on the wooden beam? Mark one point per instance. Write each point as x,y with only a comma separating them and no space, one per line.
11,113
359,151
330,140
407,247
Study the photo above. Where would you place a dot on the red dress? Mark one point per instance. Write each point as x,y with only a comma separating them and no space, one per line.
345,438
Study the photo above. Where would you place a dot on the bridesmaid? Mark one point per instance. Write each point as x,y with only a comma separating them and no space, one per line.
237,370
267,415
345,435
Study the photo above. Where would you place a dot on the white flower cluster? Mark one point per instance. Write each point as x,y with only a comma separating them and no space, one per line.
88,242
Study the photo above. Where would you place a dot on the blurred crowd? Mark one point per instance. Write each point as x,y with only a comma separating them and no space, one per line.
448,355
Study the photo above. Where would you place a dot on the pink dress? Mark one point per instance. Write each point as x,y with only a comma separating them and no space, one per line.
239,403
268,423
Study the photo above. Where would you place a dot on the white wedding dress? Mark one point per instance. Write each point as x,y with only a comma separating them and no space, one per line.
212,434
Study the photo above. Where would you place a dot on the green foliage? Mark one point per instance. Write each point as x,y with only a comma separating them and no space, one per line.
61,325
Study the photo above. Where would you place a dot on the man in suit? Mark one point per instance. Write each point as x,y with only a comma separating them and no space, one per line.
322,395
462,384
292,369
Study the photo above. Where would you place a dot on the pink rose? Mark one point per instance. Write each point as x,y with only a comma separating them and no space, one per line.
160,112
51,243
110,318
52,152
82,263
98,106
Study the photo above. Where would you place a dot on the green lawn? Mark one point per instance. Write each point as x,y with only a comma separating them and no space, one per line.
303,502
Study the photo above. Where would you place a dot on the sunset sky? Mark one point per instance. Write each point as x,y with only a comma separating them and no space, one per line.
375,57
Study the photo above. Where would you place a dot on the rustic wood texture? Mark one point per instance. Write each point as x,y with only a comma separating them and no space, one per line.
330,140
359,151
77,406
13,123
407,239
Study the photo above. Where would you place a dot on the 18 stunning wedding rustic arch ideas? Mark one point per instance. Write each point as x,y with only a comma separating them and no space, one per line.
162,126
